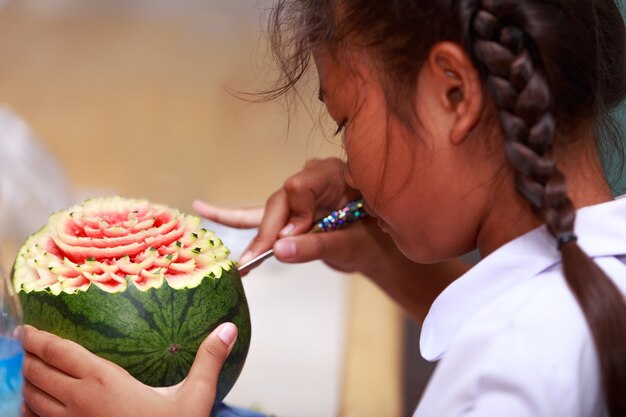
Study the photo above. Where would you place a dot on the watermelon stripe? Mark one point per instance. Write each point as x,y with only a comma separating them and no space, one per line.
62,307
184,312
143,313
154,369
159,314
145,363
129,353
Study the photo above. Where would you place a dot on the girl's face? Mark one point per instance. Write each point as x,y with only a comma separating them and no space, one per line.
427,191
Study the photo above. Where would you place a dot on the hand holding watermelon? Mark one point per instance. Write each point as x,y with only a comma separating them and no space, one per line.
135,283
64,379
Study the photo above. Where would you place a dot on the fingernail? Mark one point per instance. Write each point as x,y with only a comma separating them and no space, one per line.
197,203
286,231
285,248
227,333
245,257
203,208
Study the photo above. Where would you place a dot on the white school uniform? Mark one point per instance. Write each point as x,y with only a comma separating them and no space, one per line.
510,335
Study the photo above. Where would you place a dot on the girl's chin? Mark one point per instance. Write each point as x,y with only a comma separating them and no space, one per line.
416,253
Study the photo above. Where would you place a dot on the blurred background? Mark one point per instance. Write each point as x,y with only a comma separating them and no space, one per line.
130,97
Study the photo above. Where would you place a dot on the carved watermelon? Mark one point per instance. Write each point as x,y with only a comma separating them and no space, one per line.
137,283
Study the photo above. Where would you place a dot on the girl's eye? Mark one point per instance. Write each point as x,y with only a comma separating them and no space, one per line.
340,127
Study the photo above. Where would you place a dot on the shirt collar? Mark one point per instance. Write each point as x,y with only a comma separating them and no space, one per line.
600,229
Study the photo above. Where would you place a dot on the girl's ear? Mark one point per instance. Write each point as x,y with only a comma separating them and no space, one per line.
458,86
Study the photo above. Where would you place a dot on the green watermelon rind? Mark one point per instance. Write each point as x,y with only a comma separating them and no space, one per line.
153,334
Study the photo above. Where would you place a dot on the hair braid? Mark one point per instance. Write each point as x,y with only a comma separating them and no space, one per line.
523,97
514,74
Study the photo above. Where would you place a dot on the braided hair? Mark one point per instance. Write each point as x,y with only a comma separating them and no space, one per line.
515,77
547,64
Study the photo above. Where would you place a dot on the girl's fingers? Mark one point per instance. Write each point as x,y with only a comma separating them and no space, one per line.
301,199
241,218
313,193
41,404
27,412
200,385
47,378
337,247
274,219
307,195
65,355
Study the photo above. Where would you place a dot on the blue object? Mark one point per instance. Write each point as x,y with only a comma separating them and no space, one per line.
11,357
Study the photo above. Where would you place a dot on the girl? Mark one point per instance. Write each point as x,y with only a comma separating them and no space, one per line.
467,124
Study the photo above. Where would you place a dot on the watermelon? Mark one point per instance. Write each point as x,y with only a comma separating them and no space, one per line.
137,283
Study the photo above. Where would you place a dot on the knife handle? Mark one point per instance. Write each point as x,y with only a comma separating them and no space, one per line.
350,213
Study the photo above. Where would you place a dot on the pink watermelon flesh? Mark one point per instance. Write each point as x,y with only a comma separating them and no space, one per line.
111,242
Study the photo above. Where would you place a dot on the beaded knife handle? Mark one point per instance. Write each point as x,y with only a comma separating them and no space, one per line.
350,213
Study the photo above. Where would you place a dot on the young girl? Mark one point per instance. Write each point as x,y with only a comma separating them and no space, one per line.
467,124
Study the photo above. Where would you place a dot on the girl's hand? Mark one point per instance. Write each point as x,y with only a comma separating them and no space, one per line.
290,212
62,379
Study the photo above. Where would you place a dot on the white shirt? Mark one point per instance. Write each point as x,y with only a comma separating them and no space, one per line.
510,335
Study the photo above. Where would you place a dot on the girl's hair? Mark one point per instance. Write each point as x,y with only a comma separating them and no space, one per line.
548,64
